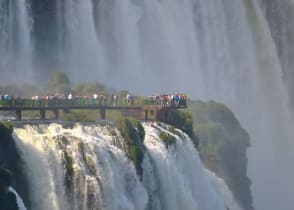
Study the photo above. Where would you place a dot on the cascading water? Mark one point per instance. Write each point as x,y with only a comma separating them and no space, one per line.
210,49
15,41
224,190
84,168
78,39
280,17
19,201
103,177
181,181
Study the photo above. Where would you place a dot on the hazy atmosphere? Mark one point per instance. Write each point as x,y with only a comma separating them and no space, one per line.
237,52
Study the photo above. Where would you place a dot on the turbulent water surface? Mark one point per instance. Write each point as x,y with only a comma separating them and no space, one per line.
210,49
104,178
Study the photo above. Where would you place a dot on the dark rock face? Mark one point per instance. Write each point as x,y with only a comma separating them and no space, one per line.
8,201
7,198
222,147
8,153
10,170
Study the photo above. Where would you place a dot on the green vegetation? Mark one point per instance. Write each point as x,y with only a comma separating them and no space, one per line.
133,133
184,122
58,83
222,146
113,114
174,131
7,127
85,89
167,138
138,126
79,116
33,114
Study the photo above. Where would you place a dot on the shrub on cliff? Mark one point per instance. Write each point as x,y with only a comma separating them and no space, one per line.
133,133
184,122
167,138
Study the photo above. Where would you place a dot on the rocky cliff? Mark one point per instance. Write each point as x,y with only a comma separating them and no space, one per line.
222,146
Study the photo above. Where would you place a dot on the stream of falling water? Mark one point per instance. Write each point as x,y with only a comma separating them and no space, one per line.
102,177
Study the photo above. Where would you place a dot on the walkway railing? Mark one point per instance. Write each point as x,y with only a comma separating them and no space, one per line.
63,103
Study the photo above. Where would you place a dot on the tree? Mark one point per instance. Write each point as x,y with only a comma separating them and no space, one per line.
89,88
58,83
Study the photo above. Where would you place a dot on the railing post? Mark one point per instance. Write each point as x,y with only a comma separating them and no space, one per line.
103,114
145,113
43,114
56,114
155,114
18,114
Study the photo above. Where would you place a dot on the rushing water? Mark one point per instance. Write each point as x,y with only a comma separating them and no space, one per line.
224,191
15,41
104,178
210,49
19,201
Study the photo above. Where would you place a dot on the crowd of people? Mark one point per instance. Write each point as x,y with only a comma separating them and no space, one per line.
8,97
176,100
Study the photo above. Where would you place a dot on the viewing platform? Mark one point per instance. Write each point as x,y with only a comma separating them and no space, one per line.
144,109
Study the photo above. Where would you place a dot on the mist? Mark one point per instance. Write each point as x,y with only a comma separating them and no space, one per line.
221,50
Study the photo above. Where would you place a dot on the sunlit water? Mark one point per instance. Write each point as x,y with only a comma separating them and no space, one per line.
104,178
210,49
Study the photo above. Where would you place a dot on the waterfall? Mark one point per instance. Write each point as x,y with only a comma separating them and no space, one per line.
78,169
279,15
220,50
19,201
224,190
210,49
181,180
78,43
84,168
15,41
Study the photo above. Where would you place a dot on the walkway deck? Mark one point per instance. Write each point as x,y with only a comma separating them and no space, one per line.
143,109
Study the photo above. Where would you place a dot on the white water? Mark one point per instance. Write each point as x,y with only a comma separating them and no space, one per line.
105,179
219,50
280,16
224,191
210,49
19,201
15,41
78,40
181,180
